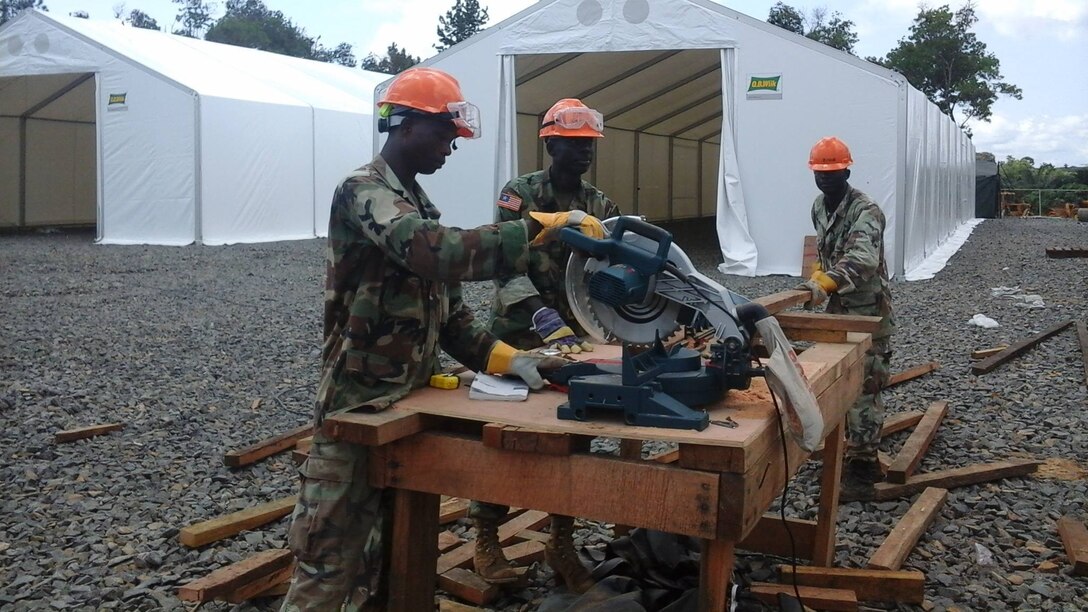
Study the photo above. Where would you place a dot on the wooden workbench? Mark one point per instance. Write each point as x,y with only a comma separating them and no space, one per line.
431,443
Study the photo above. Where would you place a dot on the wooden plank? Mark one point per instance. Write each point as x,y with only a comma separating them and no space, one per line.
956,477
465,584
910,455
912,373
770,537
1082,338
894,423
268,447
810,257
815,335
1075,539
904,537
984,353
521,439
816,598
671,456
413,556
447,540
227,525
990,363
896,586
777,302
524,553
452,509
593,486
823,547
445,605
462,555
829,322
377,428
715,573
531,535
260,586
80,433
232,577
1066,253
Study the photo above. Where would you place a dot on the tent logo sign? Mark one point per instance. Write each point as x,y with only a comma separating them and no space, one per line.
117,102
764,87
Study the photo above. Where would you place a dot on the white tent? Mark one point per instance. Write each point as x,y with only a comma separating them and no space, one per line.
162,139
709,113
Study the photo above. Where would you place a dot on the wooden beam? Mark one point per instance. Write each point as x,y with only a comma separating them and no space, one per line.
70,435
990,352
267,448
899,421
912,373
671,456
452,509
232,577
467,585
261,586
412,563
810,256
447,540
377,428
870,585
815,335
524,553
990,363
1075,539
777,302
904,537
520,439
715,572
814,597
823,546
671,499
1067,252
1082,338
227,525
829,322
957,477
910,455
770,537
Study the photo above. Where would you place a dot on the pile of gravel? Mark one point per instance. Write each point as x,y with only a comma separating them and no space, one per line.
178,343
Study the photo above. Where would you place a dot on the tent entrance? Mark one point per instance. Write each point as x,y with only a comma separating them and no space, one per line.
48,151
663,118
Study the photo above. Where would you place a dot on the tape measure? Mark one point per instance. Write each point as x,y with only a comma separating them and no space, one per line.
445,381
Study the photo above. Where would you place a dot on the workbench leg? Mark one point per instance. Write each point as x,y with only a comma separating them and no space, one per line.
629,449
823,552
715,572
413,553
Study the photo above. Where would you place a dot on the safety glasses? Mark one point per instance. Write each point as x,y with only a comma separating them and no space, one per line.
574,118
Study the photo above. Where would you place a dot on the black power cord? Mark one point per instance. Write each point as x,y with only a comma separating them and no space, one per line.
785,491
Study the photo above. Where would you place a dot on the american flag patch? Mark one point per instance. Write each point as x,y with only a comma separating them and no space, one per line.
509,201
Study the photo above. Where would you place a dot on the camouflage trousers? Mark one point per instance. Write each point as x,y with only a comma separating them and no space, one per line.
336,531
866,416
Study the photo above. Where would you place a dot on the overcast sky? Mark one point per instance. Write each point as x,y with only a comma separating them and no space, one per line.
1042,45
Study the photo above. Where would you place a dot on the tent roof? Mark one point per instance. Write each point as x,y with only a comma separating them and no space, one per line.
210,68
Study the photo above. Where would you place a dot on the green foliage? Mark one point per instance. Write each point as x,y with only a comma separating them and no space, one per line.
341,54
140,19
462,21
944,59
1045,185
194,17
10,8
394,61
249,23
833,30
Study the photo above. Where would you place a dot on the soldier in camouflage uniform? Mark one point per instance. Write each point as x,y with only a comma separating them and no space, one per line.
532,310
851,276
392,298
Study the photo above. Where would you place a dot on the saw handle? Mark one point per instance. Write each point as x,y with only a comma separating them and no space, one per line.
618,252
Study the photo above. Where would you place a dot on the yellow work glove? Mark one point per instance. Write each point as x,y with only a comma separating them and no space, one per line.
577,219
819,286
505,359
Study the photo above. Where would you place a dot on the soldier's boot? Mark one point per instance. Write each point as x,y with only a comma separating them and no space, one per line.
858,479
560,555
491,563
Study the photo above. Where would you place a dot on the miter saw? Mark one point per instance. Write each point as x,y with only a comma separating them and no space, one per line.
637,287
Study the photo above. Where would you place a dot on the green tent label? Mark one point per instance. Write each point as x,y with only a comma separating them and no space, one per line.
764,86
117,98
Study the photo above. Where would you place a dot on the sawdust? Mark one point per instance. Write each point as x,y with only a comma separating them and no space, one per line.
1061,469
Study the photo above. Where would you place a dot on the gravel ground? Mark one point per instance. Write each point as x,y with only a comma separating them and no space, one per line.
177,343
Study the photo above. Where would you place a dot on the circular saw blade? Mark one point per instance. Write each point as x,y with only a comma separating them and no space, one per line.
655,317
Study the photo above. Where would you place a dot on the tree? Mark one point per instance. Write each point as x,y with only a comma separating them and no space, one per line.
249,23
10,8
140,19
341,54
944,59
833,31
194,16
463,20
394,61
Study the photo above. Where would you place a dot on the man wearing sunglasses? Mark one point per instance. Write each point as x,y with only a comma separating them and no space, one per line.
531,310
392,299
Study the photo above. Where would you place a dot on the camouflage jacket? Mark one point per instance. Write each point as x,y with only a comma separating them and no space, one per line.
850,242
393,292
510,320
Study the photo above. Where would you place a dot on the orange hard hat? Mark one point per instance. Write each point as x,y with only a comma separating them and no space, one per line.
829,154
569,117
433,92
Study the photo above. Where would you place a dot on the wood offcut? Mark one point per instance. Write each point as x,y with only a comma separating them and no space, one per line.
1067,252
70,435
910,455
267,448
236,522
912,373
230,579
904,537
894,586
990,363
1075,539
956,477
